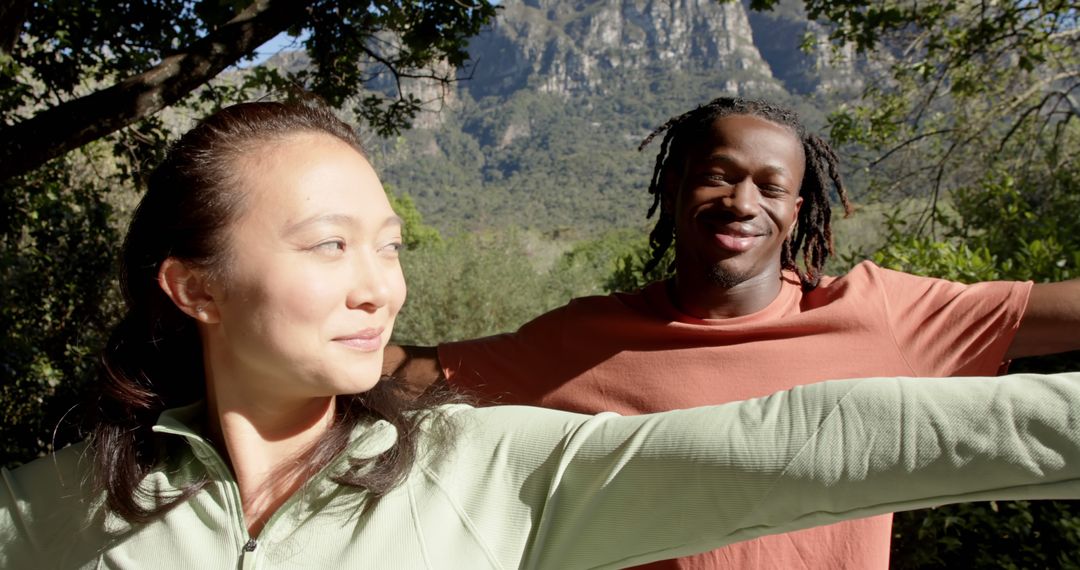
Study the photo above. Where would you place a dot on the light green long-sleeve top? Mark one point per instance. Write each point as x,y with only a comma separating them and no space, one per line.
533,488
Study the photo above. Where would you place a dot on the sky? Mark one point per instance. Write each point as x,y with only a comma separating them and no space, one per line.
281,42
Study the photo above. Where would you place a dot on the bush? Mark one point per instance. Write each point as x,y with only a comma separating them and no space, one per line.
479,284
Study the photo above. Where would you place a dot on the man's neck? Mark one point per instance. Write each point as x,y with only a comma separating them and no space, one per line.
706,300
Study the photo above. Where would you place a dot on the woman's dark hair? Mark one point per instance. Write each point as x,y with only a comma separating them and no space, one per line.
813,234
153,360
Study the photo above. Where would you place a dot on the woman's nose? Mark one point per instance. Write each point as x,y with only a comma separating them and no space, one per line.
369,288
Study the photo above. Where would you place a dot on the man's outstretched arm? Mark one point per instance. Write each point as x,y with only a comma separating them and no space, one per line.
1051,322
417,366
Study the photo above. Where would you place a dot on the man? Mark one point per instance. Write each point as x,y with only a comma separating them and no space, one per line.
742,190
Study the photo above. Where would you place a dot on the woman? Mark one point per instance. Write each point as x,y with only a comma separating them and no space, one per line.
242,420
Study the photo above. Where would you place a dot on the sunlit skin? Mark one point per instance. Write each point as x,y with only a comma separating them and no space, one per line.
303,311
735,203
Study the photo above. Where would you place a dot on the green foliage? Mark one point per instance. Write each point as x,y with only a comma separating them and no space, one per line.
69,48
477,284
1006,535
997,232
618,259
481,283
416,233
630,274
56,275
963,85
955,260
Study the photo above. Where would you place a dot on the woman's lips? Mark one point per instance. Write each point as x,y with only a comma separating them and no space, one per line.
367,340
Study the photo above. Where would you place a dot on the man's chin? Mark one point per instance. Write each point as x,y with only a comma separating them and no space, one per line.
725,277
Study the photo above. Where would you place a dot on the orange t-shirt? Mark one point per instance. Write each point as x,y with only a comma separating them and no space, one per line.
635,353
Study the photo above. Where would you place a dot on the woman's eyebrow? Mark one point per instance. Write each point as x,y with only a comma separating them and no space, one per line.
337,219
331,218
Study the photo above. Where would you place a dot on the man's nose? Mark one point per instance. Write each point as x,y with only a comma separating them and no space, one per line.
742,198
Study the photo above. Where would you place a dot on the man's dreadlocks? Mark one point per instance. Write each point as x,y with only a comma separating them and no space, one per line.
813,233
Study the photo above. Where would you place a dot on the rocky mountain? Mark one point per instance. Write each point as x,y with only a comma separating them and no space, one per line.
542,129
572,47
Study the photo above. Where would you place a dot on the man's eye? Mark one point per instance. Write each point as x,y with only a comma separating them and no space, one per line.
771,190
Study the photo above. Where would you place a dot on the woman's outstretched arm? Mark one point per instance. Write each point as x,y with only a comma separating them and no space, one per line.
539,489
556,490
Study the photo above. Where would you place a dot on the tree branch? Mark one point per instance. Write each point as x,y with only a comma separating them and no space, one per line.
905,143
56,131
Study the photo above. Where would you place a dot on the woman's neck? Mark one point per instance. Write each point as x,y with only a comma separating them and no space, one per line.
264,443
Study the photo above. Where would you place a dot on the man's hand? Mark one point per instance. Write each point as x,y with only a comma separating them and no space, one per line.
1051,322
416,366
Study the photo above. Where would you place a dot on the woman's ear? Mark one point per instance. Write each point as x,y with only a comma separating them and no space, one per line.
188,289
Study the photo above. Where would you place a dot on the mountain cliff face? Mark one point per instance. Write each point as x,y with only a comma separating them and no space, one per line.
576,47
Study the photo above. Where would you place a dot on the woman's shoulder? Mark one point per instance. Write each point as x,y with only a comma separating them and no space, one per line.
511,417
479,429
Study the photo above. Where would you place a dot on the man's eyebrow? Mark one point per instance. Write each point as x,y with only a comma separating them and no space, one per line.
721,158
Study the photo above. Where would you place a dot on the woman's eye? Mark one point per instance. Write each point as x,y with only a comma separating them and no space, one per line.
330,246
394,247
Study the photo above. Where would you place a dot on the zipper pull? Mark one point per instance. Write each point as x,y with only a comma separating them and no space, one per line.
250,545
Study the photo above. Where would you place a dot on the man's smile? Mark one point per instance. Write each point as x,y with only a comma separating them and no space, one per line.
735,236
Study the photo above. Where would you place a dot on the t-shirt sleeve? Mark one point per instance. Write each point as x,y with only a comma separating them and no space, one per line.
547,489
944,328
503,368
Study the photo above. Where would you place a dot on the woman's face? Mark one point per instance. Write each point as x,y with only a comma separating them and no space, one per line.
312,282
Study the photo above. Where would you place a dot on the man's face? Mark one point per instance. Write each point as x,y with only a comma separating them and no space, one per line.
736,201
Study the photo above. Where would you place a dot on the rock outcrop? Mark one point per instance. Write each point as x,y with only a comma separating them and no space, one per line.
575,48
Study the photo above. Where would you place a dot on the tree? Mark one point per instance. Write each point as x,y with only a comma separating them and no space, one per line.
963,85
416,234
58,301
156,53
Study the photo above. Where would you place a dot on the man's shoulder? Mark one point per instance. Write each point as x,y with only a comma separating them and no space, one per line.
579,316
869,274
616,304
